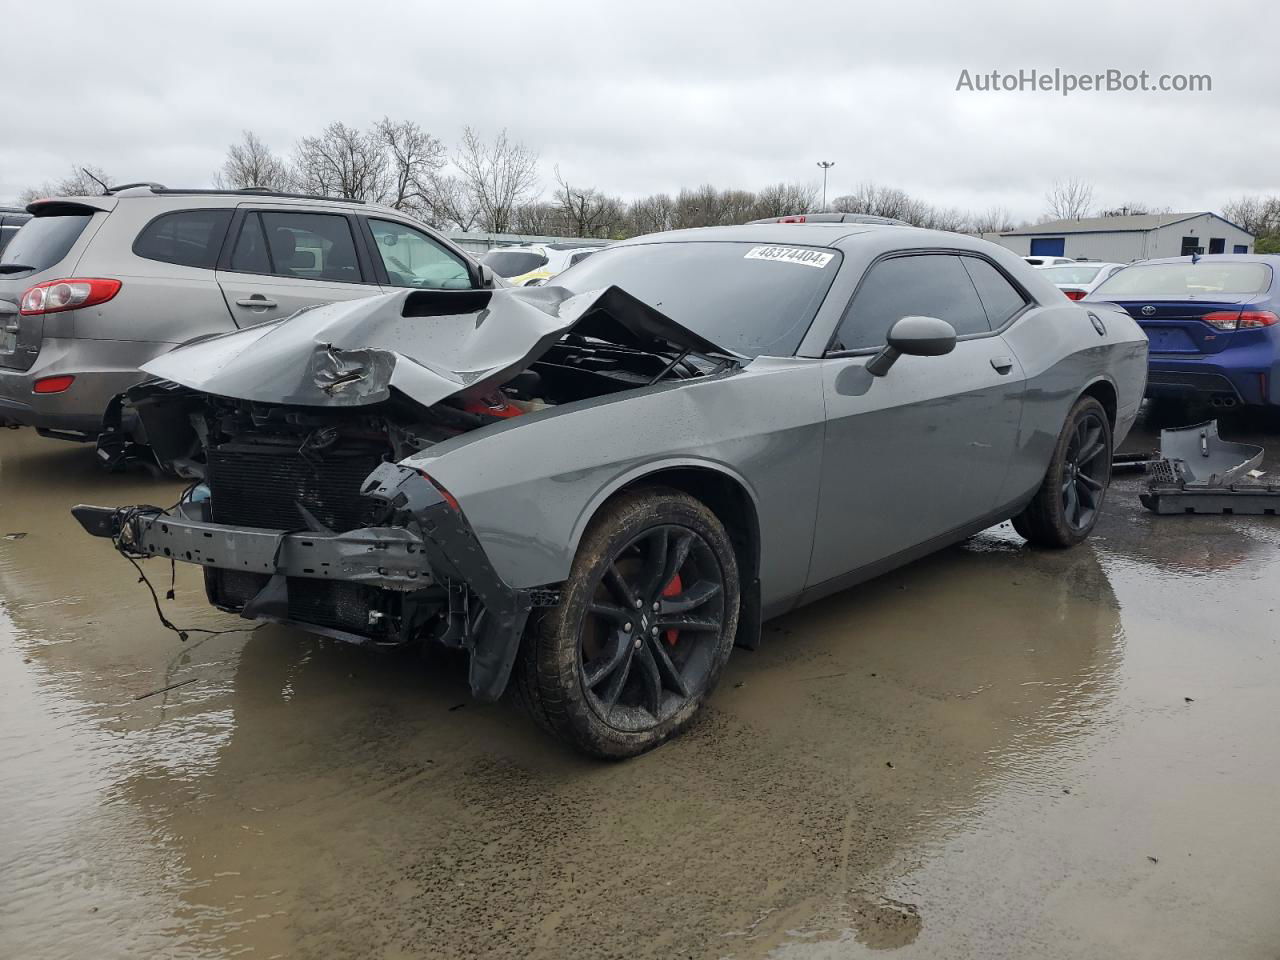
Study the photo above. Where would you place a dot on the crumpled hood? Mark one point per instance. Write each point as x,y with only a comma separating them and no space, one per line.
429,344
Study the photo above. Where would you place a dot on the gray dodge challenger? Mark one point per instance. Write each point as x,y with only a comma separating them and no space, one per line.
598,488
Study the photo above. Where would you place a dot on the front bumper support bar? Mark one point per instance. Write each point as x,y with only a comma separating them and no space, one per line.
428,542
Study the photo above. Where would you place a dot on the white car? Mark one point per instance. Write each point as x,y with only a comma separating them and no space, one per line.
1077,279
1048,261
534,265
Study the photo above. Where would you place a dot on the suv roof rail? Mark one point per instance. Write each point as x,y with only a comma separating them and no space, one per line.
160,188
256,192
118,187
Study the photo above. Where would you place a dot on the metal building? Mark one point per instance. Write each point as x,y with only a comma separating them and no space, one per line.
1124,239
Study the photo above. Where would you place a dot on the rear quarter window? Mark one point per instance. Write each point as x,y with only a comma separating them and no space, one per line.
191,238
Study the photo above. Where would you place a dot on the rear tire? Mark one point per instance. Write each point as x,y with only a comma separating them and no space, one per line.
1069,501
644,627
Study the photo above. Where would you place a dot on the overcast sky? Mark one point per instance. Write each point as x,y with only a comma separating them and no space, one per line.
636,97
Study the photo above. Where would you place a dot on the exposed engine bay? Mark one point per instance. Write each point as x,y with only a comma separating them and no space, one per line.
300,509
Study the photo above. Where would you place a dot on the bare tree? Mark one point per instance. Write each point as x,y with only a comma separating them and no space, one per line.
783,199
413,159
651,214
499,176
538,217
343,162
585,211
82,182
1256,214
992,220
451,203
1070,199
250,163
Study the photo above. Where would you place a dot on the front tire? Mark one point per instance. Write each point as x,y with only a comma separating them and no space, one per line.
1069,501
644,627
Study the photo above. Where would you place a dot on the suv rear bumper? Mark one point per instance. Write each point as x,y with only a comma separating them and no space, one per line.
102,369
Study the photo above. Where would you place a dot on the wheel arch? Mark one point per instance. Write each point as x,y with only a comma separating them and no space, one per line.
1104,391
726,494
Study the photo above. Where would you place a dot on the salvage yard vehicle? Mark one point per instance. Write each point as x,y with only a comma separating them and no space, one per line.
91,288
1212,322
598,487
1078,280
534,265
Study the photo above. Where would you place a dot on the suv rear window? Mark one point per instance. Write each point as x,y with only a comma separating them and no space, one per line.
191,238
43,242
513,263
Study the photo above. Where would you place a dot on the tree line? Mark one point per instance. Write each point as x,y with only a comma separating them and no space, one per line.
493,185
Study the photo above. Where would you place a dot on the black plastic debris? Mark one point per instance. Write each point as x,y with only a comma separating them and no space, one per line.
1199,472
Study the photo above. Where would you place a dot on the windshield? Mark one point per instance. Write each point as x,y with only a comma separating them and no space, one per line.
42,242
1185,279
1070,274
753,299
513,263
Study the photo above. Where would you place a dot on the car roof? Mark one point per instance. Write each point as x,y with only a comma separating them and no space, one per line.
1271,259
145,192
811,235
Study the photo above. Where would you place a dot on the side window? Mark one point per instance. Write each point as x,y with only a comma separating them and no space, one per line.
309,246
413,259
191,238
249,255
928,285
1000,297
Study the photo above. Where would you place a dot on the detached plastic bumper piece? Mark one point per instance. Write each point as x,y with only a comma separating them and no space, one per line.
1199,472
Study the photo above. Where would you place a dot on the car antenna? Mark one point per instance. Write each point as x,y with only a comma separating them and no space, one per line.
1195,257
106,191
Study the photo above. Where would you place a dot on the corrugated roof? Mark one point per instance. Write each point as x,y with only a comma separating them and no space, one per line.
1143,221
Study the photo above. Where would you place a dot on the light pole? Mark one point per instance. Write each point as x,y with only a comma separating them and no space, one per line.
825,165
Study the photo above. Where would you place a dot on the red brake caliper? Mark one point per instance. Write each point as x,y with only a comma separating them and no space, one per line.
673,589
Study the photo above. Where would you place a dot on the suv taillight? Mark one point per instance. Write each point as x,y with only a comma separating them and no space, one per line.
54,296
1074,294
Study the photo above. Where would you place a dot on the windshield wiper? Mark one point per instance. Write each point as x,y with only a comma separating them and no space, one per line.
14,267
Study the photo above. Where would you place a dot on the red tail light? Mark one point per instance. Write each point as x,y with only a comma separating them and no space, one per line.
1245,320
1074,294
794,218
52,384
54,296
1258,318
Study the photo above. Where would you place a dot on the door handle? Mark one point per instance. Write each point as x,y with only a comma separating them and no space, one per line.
258,301
1002,365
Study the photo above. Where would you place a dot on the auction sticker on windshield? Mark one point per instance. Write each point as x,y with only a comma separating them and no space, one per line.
809,258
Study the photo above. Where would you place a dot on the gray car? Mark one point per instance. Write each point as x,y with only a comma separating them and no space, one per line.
597,488
91,288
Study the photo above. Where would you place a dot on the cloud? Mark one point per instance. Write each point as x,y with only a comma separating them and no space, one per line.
655,96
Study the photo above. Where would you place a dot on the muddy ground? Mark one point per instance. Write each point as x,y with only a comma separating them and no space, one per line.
996,752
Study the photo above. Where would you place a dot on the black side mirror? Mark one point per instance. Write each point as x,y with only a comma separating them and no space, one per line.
916,337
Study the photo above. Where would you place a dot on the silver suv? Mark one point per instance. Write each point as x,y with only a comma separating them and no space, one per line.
91,288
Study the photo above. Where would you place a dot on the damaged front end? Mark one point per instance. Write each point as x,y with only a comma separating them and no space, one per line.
415,573
301,511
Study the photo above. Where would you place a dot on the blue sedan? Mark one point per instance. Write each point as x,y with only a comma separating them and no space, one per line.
1213,324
